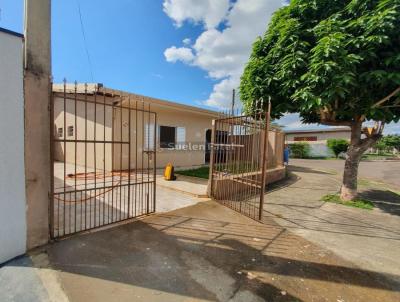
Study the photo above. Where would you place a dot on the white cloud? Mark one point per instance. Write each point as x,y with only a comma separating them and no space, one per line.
186,41
183,54
209,12
222,53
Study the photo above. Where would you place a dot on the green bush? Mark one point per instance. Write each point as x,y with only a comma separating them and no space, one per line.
338,145
300,150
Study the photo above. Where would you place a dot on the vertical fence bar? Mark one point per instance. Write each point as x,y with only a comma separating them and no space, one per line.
104,156
85,226
129,156
120,160
155,162
52,141
65,149
95,155
75,149
136,154
212,159
263,164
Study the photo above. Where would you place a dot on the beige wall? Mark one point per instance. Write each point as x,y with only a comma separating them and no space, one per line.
195,125
195,129
85,128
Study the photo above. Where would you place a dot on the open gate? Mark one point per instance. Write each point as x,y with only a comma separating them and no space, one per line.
103,158
238,162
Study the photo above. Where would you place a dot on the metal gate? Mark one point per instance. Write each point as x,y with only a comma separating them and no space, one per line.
238,162
103,158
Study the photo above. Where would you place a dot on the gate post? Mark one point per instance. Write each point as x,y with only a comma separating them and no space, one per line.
37,92
210,175
264,158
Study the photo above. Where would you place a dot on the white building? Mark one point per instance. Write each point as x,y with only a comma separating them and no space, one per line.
12,174
317,138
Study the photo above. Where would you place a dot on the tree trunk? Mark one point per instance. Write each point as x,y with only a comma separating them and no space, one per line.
355,151
349,185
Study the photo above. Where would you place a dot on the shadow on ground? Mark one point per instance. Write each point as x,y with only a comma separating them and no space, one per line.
199,252
308,170
385,200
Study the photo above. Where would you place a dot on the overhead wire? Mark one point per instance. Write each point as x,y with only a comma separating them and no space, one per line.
85,41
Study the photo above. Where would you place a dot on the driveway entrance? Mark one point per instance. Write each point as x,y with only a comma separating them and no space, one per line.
103,160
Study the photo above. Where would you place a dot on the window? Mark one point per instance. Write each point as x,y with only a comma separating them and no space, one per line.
70,130
167,137
305,138
180,137
149,137
60,132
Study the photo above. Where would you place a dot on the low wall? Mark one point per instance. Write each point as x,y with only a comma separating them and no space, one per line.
232,189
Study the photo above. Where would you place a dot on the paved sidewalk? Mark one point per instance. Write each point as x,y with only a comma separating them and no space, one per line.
383,171
369,239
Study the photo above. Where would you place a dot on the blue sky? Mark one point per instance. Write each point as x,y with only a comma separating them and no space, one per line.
189,51
126,41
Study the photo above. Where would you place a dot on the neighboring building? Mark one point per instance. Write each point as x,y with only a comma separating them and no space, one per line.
12,175
181,135
317,138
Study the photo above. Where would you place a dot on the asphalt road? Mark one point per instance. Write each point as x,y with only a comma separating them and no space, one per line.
382,171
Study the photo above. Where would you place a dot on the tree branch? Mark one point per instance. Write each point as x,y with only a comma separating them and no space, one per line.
386,98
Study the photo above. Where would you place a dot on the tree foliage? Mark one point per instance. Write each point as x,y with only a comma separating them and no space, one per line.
300,150
388,142
338,145
333,61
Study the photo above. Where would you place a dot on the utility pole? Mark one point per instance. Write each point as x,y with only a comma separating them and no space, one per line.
37,94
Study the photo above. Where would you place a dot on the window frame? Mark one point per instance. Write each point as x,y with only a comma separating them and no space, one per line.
167,146
70,131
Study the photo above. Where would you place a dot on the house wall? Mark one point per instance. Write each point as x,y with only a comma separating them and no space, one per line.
116,129
13,230
193,154
87,126
322,137
319,147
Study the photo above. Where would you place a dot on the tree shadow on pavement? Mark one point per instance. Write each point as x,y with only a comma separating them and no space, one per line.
212,259
308,170
385,200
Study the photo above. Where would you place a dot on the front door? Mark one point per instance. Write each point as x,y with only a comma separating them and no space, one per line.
208,146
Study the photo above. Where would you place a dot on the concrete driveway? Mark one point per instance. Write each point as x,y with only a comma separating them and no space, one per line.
305,250
204,252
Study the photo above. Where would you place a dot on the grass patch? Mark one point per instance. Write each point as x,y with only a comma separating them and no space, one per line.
358,203
379,156
201,172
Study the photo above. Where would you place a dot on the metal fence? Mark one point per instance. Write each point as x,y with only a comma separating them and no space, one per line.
239,154
103,162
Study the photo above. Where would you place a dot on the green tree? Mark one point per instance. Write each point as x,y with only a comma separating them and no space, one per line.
338,145
392,141
336,62
300,150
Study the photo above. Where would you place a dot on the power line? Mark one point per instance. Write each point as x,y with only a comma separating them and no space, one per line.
84,40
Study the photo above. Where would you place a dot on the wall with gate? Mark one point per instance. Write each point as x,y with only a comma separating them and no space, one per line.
12,175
